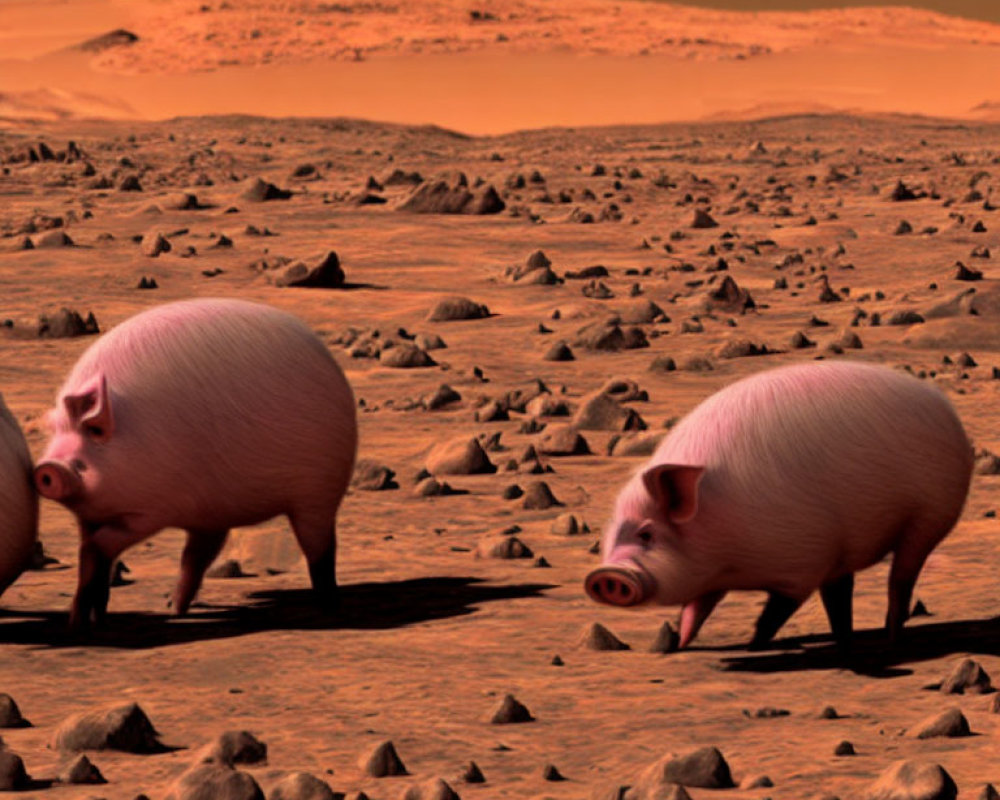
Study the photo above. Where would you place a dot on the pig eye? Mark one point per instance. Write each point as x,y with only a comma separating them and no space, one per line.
645,536
94,431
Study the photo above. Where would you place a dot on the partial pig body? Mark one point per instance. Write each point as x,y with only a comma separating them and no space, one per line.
18,501
203,415
789,481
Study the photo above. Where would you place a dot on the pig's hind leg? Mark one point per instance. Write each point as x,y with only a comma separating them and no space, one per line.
907,561
838,596
317,538
777,610
200,550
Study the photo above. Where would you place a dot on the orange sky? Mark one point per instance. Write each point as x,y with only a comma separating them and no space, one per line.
974,9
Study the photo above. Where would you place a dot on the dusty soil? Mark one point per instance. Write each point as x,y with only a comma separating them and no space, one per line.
430,637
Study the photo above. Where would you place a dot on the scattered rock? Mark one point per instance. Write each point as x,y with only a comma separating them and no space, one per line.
510,711
667,640
913,780
704,768
558,351
65,324
372,476
405,356
302,786
729,296
962,272
214,782
539,496
455,308
230,568
257,190
702,219
503,547
741,348
434,789
122,727
551,773
10,714
597,637
472,773
460,456
382,761
562,440
13,775
443,396
323,273
569,524
950,723
599,412
80,770
52,239
756,782
967,677
845,748
431,487
634,444
231,748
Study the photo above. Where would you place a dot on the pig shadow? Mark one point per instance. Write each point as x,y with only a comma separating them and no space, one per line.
871,654
363,606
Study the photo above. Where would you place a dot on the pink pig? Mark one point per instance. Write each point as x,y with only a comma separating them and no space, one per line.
203,415
789,481
18,501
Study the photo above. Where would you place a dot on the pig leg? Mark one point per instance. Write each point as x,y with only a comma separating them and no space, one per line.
317,537
837,596
200,551
776,612
99,547
694,614
906,565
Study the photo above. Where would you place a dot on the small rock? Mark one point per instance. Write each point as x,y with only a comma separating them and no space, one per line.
558,351
950,723
443,396
434,789
913,780
562,440
767,712
214,782
10,714
569,524
460,456
510,711
302,786
382,761
967,676
702,219
504,547
988,792
371,476
122,727
667,640
828,712
473,774
230,568
405,356
155,243
551,773
539,496
12,772
231,748
257,190
704,768
756,782
599,412
457,308
597,637
65,324
845,748
80,770
323,273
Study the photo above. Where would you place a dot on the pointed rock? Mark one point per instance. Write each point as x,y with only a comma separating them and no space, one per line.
504,547
80,770
472,774
702,219
460,456
599,412
382,761
950,723
597,637
558,351
569,524
845,748
704,768
510,711
10,714
967,677
551,773
539,496
667,640
12,772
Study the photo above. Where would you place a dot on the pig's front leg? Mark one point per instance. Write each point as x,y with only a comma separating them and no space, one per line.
100,545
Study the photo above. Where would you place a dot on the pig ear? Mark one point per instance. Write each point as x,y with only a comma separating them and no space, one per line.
90,409
674,488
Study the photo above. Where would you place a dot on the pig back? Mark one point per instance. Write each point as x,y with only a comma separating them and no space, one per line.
817,469
18,501
238,403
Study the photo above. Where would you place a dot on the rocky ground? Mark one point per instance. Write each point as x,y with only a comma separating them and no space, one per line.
655,265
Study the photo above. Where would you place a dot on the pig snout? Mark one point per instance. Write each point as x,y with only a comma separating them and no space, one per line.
57,480
619,585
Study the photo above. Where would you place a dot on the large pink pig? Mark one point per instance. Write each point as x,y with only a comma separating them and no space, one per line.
203,415
789,481
18,501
